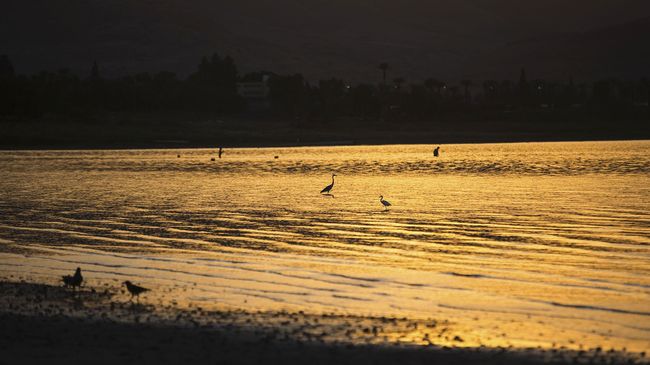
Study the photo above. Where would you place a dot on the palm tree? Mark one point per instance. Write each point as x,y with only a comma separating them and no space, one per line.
383,67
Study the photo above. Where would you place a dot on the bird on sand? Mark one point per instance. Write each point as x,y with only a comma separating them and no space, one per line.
73,280
328,188
135,290
436,152
385,203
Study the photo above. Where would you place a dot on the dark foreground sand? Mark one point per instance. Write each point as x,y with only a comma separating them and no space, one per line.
43,324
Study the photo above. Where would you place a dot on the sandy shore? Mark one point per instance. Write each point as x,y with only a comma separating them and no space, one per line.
44,323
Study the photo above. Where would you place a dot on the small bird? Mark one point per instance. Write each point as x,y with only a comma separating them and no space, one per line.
134,289
328,188
73,280
436,152
385,203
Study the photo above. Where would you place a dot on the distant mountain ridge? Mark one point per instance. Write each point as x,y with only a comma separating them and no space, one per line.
445,39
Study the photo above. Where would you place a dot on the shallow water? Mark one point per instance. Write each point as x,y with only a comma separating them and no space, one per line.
523,244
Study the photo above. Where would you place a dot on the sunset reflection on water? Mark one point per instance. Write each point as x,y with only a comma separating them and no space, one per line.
516,244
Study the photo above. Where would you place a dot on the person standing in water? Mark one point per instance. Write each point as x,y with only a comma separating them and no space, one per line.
220,151
436,151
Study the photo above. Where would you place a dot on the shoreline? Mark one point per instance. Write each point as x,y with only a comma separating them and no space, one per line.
49,323
153,131
315,144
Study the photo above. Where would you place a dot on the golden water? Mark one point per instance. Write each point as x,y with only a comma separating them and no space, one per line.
520,244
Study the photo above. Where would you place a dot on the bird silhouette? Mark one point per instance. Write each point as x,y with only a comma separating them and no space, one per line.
385,203
328,188
135,290
73,280
436,152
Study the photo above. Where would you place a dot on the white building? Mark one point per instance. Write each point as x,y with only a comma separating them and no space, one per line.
256,93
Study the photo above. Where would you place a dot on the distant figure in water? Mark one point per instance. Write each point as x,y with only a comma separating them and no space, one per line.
73,280
134,290
328,188
436,151
220,151
383,202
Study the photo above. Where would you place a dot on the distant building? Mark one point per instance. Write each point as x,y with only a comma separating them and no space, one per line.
256,93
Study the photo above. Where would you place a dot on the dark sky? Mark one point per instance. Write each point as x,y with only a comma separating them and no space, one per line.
446,39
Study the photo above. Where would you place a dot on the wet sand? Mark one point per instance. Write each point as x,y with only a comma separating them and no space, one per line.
45,323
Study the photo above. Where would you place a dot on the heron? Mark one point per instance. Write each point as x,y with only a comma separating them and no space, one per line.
73,280
385,203
328,188
220,151
135,290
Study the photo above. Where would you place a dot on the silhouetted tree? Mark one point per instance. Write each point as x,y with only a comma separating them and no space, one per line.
490,90
383,67
94,72
398,81
9,89
570,94
288,95
645,90
524,89
212,88
466,84
6,68
429,83
540,90
365,101
602,93
331,96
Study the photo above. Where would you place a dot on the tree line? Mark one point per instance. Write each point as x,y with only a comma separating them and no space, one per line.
213,88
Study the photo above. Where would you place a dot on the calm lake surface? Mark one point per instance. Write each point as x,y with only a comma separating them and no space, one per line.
522,244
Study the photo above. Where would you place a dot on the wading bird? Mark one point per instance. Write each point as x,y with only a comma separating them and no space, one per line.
436,152
134,290
328,188
73,280
385,203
